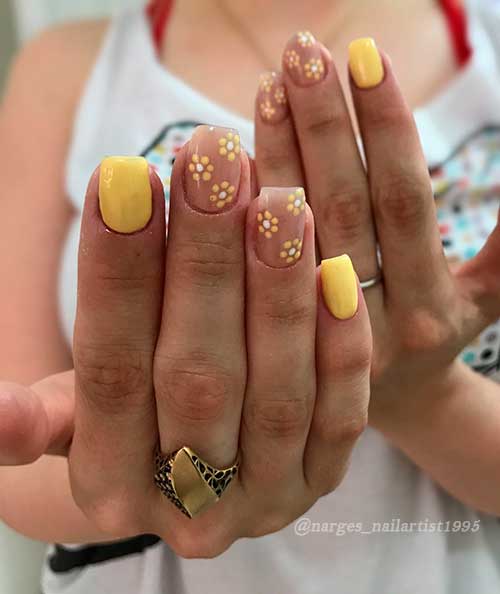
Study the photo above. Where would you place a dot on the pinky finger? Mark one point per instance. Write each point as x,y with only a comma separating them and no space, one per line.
344,350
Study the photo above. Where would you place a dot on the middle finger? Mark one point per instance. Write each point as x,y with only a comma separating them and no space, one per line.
200,360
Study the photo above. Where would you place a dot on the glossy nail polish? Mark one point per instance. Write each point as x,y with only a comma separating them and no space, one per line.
340,287
303,59
272,102
213,169
365,63
125,196
280,223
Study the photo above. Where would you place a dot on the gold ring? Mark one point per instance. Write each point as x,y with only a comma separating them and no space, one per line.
189,482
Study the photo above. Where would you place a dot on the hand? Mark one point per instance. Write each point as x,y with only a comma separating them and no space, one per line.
210,343
423,314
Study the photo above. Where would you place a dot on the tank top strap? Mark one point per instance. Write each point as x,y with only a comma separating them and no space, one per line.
158,12
456,17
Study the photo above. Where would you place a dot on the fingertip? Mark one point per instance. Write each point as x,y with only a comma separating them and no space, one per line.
339,287
24,427
366,66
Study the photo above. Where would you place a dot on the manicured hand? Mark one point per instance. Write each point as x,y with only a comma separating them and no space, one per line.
210,342
423,314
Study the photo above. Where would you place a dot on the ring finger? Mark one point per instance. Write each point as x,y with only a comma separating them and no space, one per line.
281,328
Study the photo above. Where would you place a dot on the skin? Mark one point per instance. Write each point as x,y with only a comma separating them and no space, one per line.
140,359
97,521
423,314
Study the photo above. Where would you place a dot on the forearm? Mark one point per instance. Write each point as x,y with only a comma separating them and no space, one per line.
38,503
452,431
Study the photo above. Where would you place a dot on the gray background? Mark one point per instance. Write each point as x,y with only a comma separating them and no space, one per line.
7,39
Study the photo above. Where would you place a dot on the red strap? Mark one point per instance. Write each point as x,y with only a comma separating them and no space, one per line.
457,23
158,12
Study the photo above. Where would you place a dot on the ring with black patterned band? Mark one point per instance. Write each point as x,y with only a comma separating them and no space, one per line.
189,482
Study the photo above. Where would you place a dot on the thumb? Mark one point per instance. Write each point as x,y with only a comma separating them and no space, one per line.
37,420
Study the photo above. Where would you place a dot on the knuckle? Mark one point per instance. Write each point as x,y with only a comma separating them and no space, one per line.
400,202
115,518
424,331
325,122
351,360
341,431
288,308
113,377
273,158
209,262
277,418
196,388
111,514
347,212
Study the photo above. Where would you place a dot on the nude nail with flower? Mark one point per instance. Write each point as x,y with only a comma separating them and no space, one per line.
272,103
213,168
303,59
280,223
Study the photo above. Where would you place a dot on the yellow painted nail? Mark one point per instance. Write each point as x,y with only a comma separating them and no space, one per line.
365,63
125,196
340,287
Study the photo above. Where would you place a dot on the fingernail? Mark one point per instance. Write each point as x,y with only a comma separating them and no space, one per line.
213,169
280,223
340,287
365,63
271,99
125,196
303,59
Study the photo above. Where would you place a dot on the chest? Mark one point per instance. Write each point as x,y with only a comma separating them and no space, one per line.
226,67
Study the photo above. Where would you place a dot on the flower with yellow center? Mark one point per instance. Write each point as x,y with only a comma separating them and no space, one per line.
229,146
280,95
201,168
222,194
314,68
292,59
305,38
291,250
296,202
268,224
267,110
266,82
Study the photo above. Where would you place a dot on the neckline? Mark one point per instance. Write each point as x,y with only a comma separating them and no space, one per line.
163,73
480,70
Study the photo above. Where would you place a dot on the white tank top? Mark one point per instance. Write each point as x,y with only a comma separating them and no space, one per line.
358,539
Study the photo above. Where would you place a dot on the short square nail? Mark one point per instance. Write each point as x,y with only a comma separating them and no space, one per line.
280,222
213,169
272,100
125,195
340,287
303,59
365,63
